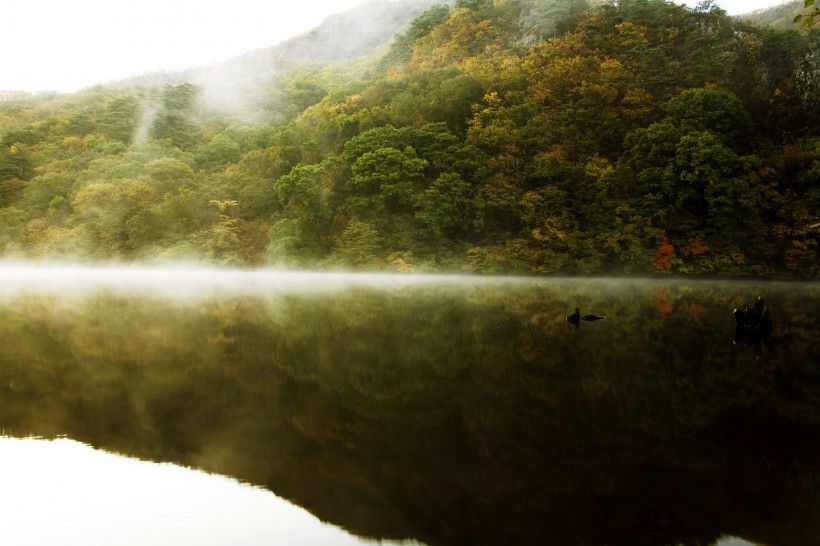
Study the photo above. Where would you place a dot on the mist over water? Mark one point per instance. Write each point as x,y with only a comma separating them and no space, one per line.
185,280
190,279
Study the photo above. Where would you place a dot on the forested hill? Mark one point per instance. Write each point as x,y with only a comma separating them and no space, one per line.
514,136
350,35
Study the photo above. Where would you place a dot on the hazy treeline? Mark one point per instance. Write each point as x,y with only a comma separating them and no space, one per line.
492,136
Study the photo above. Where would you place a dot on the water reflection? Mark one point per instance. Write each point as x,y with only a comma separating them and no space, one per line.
733,541
753,326
452,412
63,492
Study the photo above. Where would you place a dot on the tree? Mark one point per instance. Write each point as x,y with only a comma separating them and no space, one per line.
177,128
16,161
452,101
221,241
12,223
401,50
383,181
711,184
700,181
118,119
360,245
174,121
712,110
11,191
299,233
446,208
170,225
168,174
47,190
474,5
181,97
220,151
105,210
553,230
379,137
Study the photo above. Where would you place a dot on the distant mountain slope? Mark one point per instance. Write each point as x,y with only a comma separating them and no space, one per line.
781,17
358,32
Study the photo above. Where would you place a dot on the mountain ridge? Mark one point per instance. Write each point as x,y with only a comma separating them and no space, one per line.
376,24
780,16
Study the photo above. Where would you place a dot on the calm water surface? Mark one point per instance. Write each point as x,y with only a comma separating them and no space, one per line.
443,410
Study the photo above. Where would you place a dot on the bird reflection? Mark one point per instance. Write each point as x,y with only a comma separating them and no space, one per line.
576,318
753,327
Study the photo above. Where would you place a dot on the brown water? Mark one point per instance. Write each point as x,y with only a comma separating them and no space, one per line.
437,409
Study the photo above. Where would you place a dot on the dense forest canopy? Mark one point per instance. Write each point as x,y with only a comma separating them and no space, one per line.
525,136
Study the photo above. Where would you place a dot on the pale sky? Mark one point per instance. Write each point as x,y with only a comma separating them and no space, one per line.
64,45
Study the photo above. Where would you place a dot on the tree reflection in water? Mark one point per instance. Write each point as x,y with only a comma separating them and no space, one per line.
451,413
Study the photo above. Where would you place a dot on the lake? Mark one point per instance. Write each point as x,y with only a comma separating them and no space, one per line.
222,407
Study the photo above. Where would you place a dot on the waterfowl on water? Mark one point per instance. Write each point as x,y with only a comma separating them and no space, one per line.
576,318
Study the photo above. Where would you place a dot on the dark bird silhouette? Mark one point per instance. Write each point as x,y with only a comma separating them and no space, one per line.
576,318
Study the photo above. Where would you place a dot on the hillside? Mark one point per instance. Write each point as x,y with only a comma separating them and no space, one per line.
526,136
359,32
781,17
